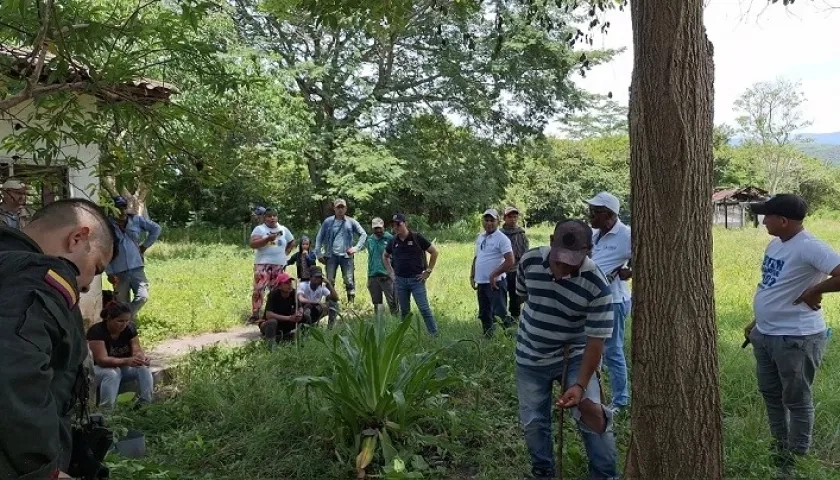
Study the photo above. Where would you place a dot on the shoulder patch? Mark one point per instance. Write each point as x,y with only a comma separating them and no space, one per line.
62,286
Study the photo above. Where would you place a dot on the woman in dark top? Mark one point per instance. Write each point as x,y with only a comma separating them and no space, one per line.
303,259
117,355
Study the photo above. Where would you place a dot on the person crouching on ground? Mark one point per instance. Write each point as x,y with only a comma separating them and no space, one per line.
312,297
118,356
282,315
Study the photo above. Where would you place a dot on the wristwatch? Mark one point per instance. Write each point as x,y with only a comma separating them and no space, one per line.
428,270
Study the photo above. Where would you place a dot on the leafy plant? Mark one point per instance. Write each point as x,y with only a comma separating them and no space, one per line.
378,385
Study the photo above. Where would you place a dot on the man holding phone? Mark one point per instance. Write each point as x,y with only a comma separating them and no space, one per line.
273,243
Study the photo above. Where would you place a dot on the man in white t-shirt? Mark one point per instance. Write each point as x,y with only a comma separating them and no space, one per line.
493,258
272,243
313,295
611,252
789,331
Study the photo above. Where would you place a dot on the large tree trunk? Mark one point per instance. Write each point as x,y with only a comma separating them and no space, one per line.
676,414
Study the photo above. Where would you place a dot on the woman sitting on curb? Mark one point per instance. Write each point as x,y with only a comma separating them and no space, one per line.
117,355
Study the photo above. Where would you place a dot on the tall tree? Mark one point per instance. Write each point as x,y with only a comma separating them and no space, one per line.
365,69
604,117
770,115
676,418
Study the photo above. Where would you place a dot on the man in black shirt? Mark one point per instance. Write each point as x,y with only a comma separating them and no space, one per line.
410,269
281,313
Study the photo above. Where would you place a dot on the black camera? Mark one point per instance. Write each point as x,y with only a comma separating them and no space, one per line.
91,443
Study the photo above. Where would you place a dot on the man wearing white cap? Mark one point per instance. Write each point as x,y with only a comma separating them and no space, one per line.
612,252
334,246
380,282
13,212
493,258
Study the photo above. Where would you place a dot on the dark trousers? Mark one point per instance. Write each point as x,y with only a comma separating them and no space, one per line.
514,300
492,304
275,329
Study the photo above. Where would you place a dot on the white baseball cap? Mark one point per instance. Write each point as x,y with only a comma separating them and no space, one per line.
605,199
377,222
12,184
492,212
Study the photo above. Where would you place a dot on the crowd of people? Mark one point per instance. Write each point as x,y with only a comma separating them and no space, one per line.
568,301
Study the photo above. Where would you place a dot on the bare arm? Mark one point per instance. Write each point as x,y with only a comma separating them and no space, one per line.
831,284
333,294
433,256
290,246
504,267
259,242
101,358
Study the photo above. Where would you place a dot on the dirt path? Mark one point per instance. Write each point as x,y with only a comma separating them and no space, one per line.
166,353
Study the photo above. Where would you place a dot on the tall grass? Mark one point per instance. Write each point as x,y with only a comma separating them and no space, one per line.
235,416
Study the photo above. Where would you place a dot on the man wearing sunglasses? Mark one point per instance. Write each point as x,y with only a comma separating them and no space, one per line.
493,258
611,252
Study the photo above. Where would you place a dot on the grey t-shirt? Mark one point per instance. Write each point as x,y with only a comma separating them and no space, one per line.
339,246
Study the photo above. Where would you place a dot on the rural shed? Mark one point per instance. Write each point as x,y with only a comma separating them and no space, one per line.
731,206
49,180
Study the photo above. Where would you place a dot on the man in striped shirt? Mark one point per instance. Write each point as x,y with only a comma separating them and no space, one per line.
567,316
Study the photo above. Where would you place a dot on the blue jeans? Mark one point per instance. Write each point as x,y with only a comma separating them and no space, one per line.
133,282
408,287
614,358
347,272
492,304
109,380
533,387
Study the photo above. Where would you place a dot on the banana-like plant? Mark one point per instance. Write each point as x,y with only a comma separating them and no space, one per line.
377,384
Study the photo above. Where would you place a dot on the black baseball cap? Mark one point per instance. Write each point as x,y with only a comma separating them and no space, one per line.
785,205
571,242
399,218
315,271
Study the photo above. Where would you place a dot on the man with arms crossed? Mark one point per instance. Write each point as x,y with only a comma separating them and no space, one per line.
789,332
567,317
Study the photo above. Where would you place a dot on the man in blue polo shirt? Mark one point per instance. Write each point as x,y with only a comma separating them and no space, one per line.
568,315
611,253
127,272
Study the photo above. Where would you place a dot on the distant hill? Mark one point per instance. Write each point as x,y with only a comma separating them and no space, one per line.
825,146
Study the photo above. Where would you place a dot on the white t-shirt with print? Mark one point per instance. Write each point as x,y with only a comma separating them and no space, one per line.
611,252
490,253
313,295
273,253
788,269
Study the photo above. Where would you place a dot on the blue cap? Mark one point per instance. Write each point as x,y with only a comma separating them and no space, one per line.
120,202
259,211
399,217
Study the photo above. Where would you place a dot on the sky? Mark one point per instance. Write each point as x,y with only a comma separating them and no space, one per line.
751,44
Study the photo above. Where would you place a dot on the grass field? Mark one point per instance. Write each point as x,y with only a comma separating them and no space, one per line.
236,416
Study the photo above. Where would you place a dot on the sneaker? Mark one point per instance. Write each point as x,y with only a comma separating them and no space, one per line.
539,474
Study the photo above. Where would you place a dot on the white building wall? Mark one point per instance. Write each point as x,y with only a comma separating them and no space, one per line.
84,183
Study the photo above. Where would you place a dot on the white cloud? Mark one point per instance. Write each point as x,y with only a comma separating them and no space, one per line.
799,43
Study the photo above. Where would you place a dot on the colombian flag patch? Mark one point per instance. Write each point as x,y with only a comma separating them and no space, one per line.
63,287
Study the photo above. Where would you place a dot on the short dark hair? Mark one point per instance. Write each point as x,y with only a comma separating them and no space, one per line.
114,309
270,212
64,213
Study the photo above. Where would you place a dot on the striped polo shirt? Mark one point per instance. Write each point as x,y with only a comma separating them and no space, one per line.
559,312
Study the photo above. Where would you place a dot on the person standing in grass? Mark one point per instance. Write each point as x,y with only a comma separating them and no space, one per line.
567,316
410,269
612,253
334,246
313,296
128,271
282,315
272,243
493,257
303,259
788,333
380,282
519,242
